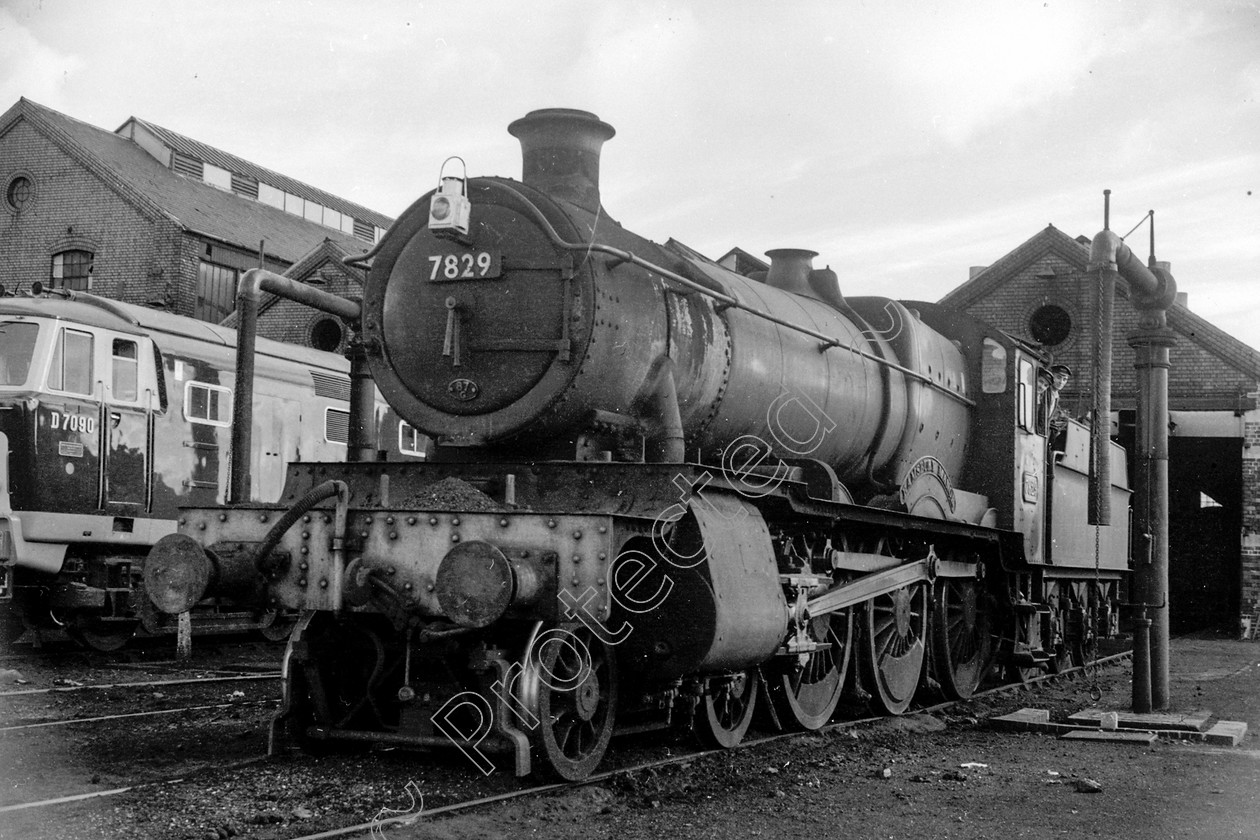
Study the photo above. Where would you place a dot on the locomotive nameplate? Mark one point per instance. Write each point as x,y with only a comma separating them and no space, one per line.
452,262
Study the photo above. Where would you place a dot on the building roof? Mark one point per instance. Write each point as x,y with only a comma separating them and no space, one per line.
224,160
1075,251
1048,240
158,191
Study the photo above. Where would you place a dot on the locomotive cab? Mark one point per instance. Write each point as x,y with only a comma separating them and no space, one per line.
1064,573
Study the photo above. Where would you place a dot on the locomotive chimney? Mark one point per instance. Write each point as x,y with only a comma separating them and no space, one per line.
560,151
790,268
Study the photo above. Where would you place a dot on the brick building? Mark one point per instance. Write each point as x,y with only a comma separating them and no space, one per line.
1041,291
148,216
296,323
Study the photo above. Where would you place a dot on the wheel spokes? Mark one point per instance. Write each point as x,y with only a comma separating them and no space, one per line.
961,643
805,696
893,648
726,710
572,690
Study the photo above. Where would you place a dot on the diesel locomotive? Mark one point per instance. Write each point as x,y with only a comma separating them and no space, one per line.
111,417
662,492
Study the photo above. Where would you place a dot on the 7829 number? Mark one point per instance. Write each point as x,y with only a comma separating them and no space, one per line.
468,265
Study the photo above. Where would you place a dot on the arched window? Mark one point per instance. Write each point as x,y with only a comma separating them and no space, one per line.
72,270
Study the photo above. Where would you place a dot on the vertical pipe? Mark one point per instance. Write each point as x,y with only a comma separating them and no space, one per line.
243,394
247,293
1142,664
1151,291
1100,428
1151,344
361,443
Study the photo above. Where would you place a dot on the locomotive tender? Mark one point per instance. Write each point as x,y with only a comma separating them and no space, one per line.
661,491
111,417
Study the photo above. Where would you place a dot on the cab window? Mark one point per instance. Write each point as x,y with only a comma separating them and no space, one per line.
71,369
993,367
1027,394
126,374
17,350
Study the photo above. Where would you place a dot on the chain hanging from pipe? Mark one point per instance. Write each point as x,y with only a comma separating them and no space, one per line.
1100,407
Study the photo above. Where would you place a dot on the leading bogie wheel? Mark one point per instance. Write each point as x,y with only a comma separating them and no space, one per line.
727,709
568,690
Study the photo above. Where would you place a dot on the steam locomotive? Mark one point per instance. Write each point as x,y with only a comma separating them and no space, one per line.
662,493
111,417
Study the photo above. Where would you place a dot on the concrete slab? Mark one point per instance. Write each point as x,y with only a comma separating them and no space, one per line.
1029,720
1110,736
1195,721
1228,733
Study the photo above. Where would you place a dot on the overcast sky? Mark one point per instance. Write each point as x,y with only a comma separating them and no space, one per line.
904,141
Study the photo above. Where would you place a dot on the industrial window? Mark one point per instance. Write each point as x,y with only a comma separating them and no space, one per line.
268,194
216,292
244,185
410,442
71,369
126,373
336,426
209,404
72,270
187,165
20,193
217,176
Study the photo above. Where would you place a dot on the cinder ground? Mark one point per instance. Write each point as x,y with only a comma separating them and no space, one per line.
947,776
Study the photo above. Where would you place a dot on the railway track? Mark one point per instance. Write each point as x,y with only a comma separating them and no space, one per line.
752,743
634,765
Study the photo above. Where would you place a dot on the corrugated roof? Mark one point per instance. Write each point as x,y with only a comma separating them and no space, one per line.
196,206
232,163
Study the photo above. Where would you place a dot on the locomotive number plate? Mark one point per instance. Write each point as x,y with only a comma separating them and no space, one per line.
465,265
